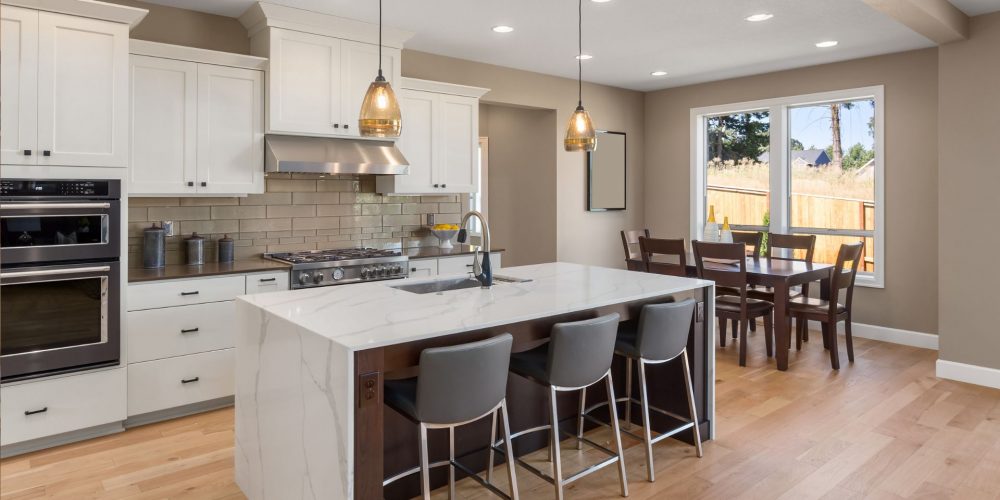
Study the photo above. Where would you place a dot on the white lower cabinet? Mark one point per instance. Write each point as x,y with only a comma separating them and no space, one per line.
443,266
49,407
178,381
423,268
267,282
163,333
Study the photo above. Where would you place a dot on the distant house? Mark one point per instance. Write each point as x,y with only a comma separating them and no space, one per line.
867,171
806,157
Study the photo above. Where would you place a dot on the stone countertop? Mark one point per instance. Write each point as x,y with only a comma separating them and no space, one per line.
181,271
370,315
417,253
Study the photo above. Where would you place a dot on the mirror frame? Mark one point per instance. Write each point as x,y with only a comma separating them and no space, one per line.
590,177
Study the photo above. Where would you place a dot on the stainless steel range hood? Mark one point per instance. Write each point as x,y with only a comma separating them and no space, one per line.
319,155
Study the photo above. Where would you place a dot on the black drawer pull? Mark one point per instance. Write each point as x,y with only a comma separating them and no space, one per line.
185,294
189,380
267,280
189,330
35,412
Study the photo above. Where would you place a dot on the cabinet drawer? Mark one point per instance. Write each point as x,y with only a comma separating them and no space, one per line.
267,282
423,268
168,383
176,331
61,405
184,292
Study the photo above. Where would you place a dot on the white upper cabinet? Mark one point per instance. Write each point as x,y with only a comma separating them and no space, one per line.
196,127
440,139
68,77
359,64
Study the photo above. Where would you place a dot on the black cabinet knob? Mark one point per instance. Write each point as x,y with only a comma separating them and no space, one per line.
190,183
346,126
336,125
444,185
437,185
203,183
46,152
27,152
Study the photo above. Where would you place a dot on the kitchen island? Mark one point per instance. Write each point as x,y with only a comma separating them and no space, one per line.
310,364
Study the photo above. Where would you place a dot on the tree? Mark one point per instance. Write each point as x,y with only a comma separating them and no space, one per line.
739,136
857,156
836,148
797,145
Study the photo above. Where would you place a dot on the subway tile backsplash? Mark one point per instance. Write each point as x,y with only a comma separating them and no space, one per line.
298,212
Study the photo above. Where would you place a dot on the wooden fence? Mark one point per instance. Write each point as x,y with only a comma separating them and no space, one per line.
807,210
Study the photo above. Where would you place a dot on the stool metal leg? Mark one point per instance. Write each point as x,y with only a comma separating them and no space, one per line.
690,394
493,440
617,435
646,424
425,472
628,393
579,420
557,462
508,447
451,463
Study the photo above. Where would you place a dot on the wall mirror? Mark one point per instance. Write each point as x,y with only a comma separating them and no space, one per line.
606,173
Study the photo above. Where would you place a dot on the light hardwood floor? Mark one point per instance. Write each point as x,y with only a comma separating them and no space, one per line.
883,427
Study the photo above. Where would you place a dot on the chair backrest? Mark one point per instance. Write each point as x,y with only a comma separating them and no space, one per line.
580,352
793,242
651,247
844,273
630,243
751,239
664,329
459,383
725,274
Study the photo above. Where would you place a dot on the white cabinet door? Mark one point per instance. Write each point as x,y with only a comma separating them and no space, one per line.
457,155
163,126
18,85
416,142
230,131
304,84
82,91
359,63
423,268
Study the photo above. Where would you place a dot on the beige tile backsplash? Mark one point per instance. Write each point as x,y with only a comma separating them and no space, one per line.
298,212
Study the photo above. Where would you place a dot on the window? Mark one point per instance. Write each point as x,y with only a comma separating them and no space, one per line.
477,200
806,165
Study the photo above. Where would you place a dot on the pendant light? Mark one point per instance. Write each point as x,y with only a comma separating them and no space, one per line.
580,134
380,110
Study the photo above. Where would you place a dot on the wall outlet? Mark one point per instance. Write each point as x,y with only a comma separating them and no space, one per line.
430,219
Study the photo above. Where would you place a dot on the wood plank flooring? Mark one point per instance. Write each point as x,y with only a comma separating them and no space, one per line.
883,428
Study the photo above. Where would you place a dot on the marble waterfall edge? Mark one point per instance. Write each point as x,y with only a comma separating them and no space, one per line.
293,411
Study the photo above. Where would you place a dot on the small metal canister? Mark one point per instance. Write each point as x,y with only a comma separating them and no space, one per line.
227,249
195,246
154,247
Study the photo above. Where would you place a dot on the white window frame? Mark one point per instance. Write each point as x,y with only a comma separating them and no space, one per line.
484,171
778,110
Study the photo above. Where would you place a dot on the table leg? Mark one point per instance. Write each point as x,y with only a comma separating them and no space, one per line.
781,327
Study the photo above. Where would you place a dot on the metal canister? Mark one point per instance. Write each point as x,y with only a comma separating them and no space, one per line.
195,246
154,247
227,249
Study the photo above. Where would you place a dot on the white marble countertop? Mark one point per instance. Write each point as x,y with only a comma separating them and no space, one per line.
369,315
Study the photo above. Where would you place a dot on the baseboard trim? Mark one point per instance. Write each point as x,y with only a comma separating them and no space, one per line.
886,334
972,374
23,447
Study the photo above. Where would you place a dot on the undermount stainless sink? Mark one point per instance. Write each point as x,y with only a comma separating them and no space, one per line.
445,285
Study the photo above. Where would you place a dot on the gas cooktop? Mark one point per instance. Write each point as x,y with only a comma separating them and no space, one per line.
341,266
312,256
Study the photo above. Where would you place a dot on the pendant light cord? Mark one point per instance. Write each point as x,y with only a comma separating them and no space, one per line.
379,37
579,54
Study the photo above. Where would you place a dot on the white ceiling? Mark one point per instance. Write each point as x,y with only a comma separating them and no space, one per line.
694,41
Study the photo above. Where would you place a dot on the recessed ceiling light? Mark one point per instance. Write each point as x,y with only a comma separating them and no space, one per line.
584,57
827,44
659,73
503,29
756,18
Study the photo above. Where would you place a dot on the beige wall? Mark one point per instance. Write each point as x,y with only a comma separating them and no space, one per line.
523,217
969,109
189,28
581,236
909,299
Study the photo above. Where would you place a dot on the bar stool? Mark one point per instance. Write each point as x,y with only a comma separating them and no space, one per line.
456,385
659,336
578,355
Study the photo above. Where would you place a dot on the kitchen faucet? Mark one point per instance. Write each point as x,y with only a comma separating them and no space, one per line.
483,272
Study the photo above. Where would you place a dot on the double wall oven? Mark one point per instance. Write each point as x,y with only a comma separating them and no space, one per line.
60,247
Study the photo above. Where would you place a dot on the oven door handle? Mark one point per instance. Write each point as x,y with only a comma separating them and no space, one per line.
35,206
55,272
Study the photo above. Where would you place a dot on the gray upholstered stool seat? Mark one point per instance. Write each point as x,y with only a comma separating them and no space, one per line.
578,355
457,385
659,335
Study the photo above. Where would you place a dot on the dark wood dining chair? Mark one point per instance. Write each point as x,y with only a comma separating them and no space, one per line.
830,312
740,309
630,243
652,248
801,249
751,239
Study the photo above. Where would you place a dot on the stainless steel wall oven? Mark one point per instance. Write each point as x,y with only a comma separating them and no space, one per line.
60,288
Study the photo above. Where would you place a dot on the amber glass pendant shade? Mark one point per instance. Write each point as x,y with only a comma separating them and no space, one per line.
580,133
380,111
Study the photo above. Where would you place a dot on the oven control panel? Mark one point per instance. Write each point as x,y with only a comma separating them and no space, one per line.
17,188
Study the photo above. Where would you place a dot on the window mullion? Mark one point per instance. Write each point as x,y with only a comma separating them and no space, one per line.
778,156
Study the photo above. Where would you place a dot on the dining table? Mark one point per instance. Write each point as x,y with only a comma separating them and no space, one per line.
781,276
